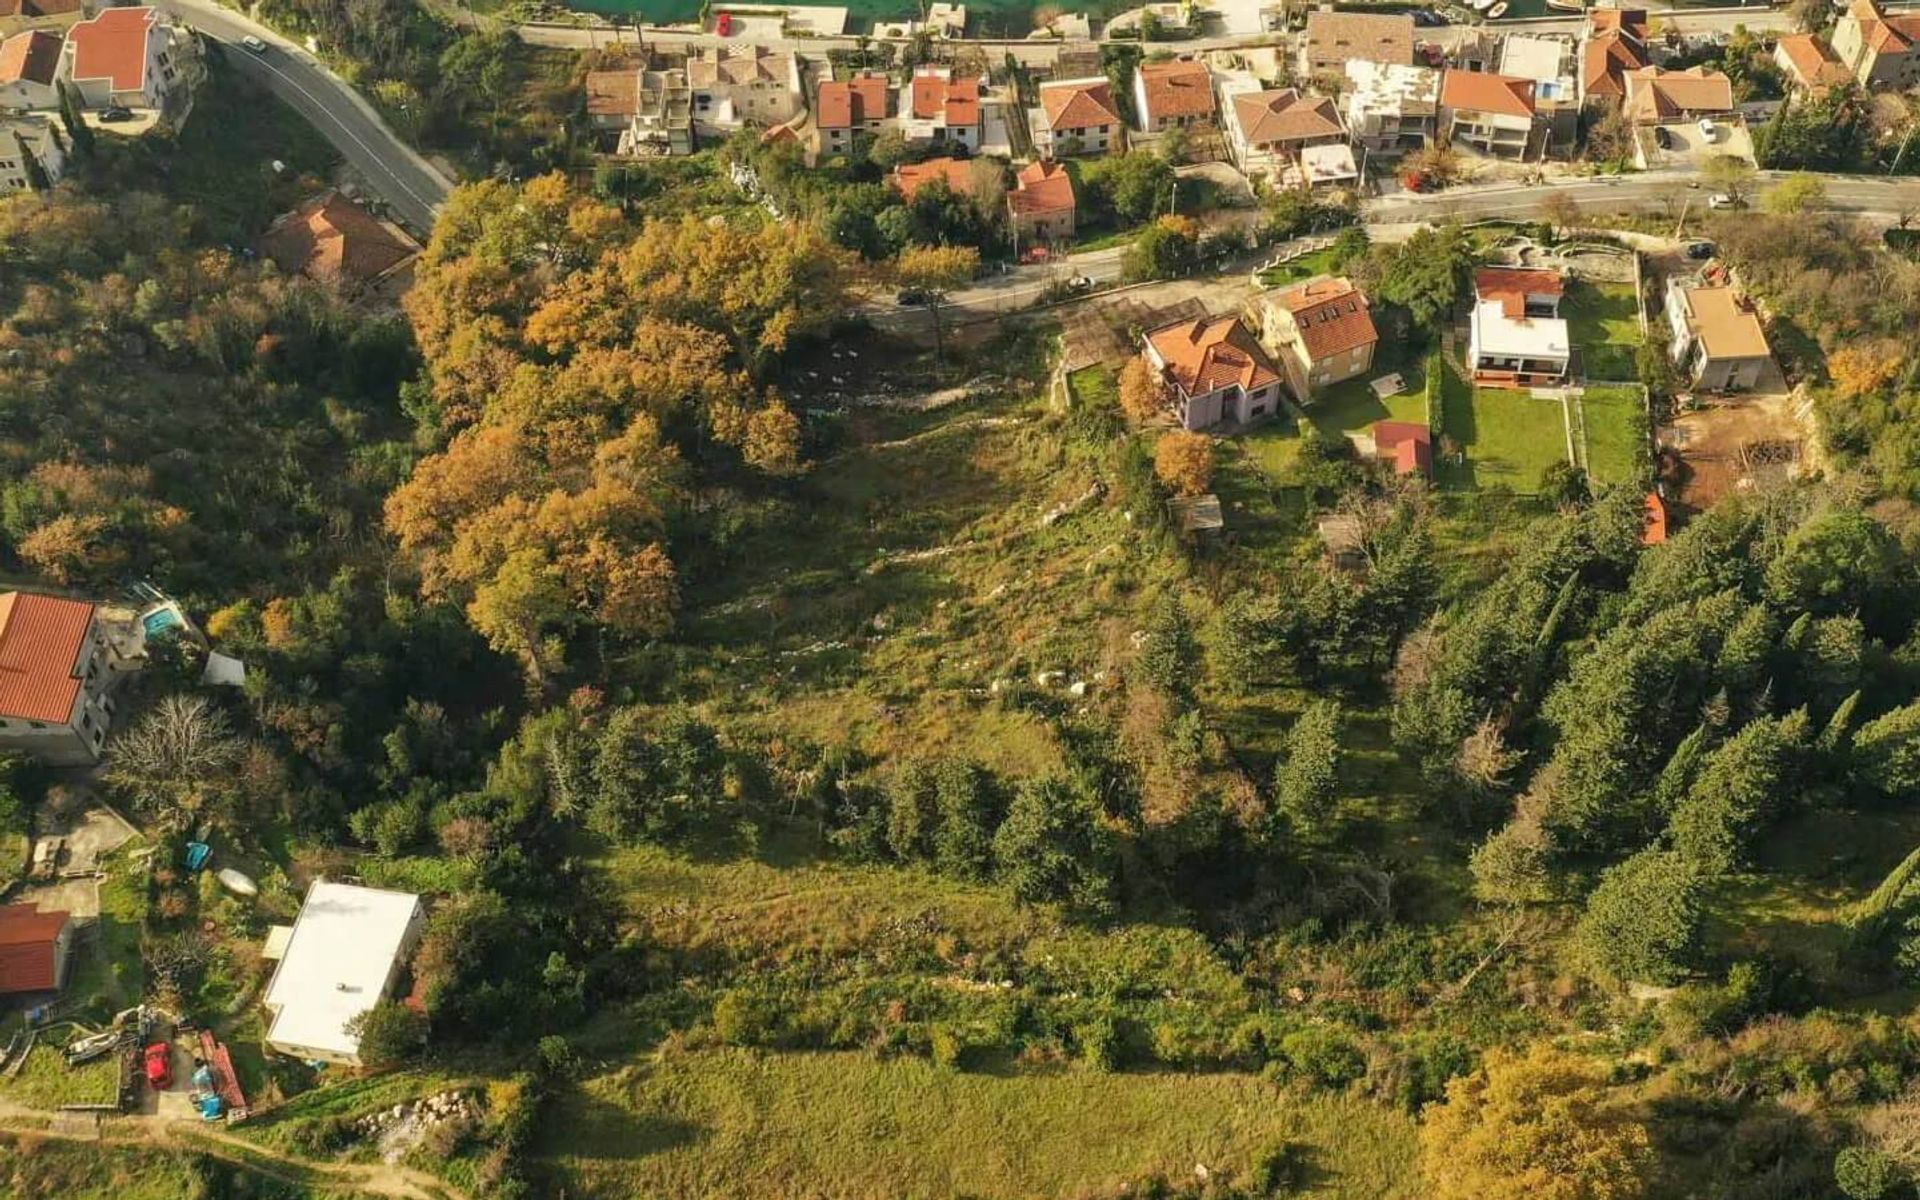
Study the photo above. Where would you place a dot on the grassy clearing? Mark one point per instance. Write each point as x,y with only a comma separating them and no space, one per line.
732,1123
1604,321
1616,425
1503,437
1347,407
1319,262
47,1082
32,1166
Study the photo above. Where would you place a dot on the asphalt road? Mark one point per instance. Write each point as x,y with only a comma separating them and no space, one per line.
407,182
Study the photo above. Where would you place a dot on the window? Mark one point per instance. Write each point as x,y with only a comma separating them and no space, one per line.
36,725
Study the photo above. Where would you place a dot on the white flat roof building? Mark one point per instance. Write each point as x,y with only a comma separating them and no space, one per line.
1517,351
342,958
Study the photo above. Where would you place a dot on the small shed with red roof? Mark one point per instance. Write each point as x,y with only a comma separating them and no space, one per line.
1408,445
34,948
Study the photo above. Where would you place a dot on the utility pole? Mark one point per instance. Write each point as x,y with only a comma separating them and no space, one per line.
1897,154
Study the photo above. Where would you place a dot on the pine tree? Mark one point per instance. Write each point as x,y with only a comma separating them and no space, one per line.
77,127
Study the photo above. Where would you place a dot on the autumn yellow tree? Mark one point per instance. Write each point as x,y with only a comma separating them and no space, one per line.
1184,462
934,271
1143,394
1536,1126
1860,370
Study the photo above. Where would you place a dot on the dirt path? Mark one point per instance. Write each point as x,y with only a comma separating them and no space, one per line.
377,1179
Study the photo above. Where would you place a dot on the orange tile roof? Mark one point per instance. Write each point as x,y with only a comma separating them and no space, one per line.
1333,316
1606,59
1078,104
1812,63
31,57
113,47
41,638
1655,94
1885,32
909,178
1483,91
1512,285
1206,354
1179,88
1285,116
613,93
1408,443
851,103
1656,531
29,945
333,238
954,101
1040,188
1375,37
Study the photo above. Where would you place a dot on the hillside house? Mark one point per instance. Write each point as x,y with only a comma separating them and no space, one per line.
1719,342
1548,60
134,58
1392,108
1076,116
1614,44
1041,207
738,87
1516,335
1656,96
33,151
1320,333
1333,39
1809,63
335,241
30,71
944,111
35,948
56,675
956,173
846,111
1215,370
344,955
651,111
1267,130
1880,49
1494,114
1172,95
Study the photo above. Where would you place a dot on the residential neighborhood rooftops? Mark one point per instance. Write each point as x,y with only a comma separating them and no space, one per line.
613,93
113,46
1511,286
1285,116
1811,61
41,639
911,177
1377,37
1657,94
952,101
29,948
739,64
1042,187
1483,91
338,963
1333,316
1616,43
1724,322
1178,88
330,237
1205,354
1078,104
1882,31
850,103
1391,85
32,57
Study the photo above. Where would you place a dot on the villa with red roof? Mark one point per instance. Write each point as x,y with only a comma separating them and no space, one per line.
30,71
133,58
845,110
334,240
34,949
1495,114
943,110
1215,370
54,679
1809,62
1271,131
1172,94
1615,43
1076,116
1880,49
1321,332
956,173
1041,206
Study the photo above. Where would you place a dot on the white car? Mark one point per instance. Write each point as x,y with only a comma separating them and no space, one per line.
1708,129
254,44
1721,200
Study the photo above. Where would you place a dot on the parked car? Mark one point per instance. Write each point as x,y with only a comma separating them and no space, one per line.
1708,129
1081,283
910,297
1722,200
1699,250
723,24
114,115
159,1062
254,44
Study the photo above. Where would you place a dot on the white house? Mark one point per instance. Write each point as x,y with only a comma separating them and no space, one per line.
1076,116
344,956
745,86
30,70
1494,114
1267,130
943,111
1392,107
1718,339
1517,337
27,140
133,58
651,110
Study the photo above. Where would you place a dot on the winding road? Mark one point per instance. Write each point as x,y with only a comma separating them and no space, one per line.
411,186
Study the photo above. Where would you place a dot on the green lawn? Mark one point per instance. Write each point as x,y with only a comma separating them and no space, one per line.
1344,408
1098,384
46,1081
1616,426
1604,322
1503,437
1320,262
728,1123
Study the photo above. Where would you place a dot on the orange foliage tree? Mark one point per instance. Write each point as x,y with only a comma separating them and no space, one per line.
1184,462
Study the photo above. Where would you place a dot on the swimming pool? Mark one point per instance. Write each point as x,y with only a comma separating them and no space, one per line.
161,620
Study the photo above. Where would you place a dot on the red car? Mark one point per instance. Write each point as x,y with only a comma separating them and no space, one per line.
723,25
160,1066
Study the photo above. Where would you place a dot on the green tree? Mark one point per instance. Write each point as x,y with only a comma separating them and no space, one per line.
912,812
390,1033
1743,786
1886,754
1166,249
1864,1173
1730,175
1054,848
1796,193
1169,660
1843,562
1644,921
78,131
1425,274
970,809
1307,779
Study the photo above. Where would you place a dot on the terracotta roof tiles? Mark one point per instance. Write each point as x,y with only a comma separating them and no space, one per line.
851,103
41,638
333,238
1078,104
29,946
1333,316
30,57
1483,91
911,177
1285,116
113,47
1179,88
1206,354
1041,188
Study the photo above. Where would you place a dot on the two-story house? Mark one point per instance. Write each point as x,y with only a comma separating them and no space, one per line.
30,71
1333,39
1215,370
944,111
1076,116
1718,339
1809,63
1172,95
1494,114
1880,49
1517,337
1041,207
1390,107
33,151
1266,131
652,111
55,678
737,87
1320,332
847,111
136,59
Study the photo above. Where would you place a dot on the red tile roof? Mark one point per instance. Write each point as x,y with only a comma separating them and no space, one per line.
113,46
1483,91
909,178
31,57
1208,353
1285,116
1811,62
1655,94
1332,315
1656,530
1512,285
954,101
41,638
1618,20
1608,55
613,93
1375,37
1042,188
333,238
1179,88
851,103
29,948
1078,104
1408,444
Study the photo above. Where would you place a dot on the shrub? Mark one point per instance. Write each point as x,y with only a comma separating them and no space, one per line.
1099,1041
1863,1173
1324,1056
1279,1169
741,1018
